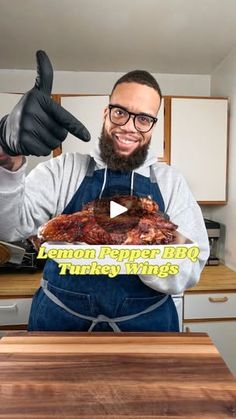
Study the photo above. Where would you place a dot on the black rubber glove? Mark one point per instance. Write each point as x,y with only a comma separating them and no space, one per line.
37,124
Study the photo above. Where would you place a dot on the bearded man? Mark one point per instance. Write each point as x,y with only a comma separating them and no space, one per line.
121,164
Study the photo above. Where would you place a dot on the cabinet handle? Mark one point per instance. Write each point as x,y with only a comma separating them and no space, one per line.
13,307
218,299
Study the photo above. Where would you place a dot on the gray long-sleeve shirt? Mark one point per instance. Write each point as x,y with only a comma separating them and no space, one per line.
29,201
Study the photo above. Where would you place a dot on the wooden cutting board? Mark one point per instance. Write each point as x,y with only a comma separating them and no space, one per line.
95,375
103,344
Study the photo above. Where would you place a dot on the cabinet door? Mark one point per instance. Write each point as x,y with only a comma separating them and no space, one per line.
179,307
223,334
199,145
208,306
89,110
14,311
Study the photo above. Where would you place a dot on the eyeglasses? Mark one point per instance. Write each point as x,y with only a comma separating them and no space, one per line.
120,116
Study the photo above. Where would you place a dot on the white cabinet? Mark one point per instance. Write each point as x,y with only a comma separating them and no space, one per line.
210,306
198,137
215,314
178,300
89,110
14,311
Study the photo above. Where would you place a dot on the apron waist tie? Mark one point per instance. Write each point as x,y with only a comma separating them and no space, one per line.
100,317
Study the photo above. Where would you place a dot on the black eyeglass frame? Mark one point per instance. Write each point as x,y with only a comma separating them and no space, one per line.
135,115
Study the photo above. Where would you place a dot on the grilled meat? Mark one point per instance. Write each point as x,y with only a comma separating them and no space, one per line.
141,224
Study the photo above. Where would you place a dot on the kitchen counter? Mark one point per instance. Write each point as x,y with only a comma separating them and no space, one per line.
19,284
215,278
24,284
124,375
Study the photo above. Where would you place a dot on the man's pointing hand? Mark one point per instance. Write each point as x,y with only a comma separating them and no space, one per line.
37,124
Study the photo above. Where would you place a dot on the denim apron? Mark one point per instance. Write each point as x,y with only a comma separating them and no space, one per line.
97,302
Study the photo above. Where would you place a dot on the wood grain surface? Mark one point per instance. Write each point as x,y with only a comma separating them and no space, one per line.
108,375
19,283
215,278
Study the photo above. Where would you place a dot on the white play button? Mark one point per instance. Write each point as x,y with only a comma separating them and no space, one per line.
116,209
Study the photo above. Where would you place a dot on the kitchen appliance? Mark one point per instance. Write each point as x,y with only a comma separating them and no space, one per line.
213,231
18,255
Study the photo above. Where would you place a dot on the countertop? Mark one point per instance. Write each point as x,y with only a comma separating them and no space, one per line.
215,279
124,375
19,284
24,284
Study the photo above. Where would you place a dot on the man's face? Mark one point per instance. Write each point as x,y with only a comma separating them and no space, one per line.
124,147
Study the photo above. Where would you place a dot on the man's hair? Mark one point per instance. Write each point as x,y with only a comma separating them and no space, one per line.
140,77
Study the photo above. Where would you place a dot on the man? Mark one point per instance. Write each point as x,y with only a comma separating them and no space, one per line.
122,162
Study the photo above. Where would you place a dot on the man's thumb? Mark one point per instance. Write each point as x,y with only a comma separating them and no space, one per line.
44,77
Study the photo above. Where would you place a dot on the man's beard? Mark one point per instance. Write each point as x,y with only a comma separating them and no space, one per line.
116,162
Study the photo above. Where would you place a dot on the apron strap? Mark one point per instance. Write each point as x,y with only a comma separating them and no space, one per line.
100,318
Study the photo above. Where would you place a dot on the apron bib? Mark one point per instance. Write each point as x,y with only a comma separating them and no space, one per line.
97,302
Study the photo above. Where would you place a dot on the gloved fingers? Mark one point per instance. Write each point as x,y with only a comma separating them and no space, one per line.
51,140
44,77
68,121
42,123
63,118
39,145
54,128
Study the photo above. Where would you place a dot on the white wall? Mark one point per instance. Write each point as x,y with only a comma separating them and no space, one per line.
223,83
19,81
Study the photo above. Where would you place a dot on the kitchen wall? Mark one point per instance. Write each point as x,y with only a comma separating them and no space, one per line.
19,81
223,83
101,83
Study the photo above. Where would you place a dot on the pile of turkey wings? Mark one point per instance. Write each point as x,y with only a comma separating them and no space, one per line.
143,223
